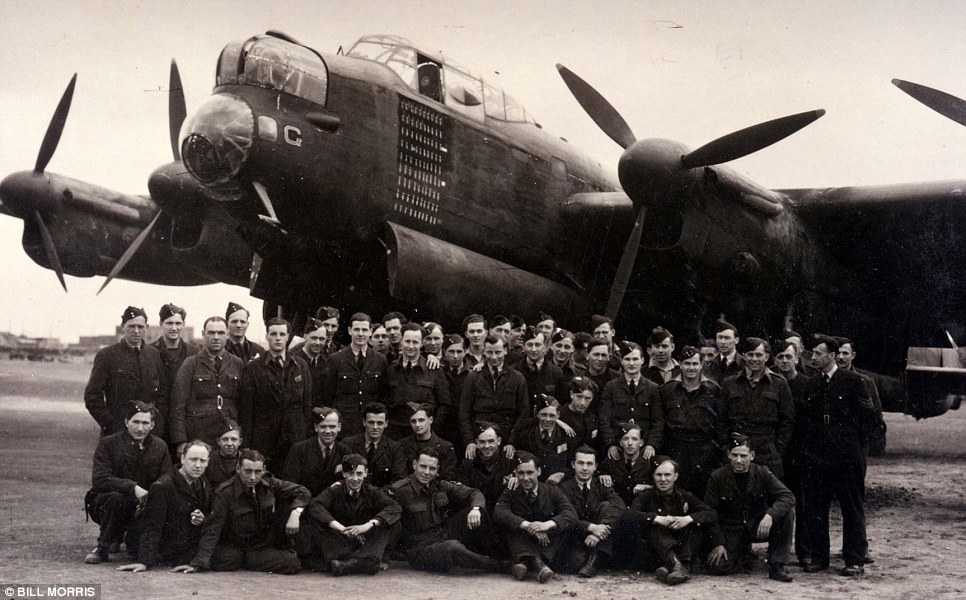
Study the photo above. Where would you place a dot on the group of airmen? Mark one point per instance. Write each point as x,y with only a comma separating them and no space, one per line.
505,448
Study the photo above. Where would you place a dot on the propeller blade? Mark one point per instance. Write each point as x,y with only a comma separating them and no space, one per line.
129,253
945,104
625,269
51,249
748,140
176,109
599,109
56,127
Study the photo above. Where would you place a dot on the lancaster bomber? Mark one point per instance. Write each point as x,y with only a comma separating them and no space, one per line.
389,177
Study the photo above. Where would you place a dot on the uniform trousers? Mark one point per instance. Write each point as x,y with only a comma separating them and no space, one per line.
738,542
256,558
844,481
114,512
464,547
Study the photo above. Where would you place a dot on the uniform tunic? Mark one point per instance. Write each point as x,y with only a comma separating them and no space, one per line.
306,466
173,358
416,384
642,406
650,504
387,462
122,375
275,406
487,476
599,504
554,453
547,379
348,388
691,431
246,350
163,530
627,476
547,503
762,410
318,368
447,454
204,397
502,400
337,503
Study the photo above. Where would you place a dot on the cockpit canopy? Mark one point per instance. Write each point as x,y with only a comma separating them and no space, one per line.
272,62
441,79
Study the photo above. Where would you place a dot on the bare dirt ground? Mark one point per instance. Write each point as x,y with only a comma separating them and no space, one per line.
916,521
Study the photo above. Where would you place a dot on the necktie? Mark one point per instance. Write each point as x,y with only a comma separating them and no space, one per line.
360,361
826,378
281,362
586,492
545,436
325,453
218,362
370,453
196,488
633,387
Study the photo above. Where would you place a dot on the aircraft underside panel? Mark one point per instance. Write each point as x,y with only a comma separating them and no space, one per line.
424,269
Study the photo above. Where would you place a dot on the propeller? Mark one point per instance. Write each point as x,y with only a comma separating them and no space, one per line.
648,167
945,104
177,112
47,148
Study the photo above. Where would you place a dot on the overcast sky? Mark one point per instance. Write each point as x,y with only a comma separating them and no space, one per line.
689,71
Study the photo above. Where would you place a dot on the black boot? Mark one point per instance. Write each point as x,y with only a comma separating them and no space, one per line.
777,572
348,566
590,567
679,572
544,573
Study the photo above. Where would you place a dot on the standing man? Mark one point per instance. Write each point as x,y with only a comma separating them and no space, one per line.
603,330
239,345
545,325
474,329
330,321
393,322
672,520
443,522
207,390
875,435
410,380
691,408
455,371
758,403
514,340
313,353
598,508
729,361
357,376
125,372
543,377
535,518
385,461
275,407
351,524
316,463
631,398
500,327
421,424
244,527
752,505
662,367
173,349
126,463
495,393
598,370
838,409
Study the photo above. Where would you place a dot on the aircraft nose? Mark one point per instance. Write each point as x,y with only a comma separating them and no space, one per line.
218,139
26,191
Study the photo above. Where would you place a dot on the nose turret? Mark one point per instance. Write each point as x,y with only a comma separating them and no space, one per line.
218,139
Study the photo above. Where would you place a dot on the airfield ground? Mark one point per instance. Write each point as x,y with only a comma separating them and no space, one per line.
916,517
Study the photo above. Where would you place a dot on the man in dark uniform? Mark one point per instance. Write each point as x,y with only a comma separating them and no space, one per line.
356,377
385,461
455,371
803,366
244,529
752,505
206,390
631,398
544,439
514,340
837,411
421,423
599,371
173,349
786,364
562,354
223,463
316,463
543,377
167,530
275,404
239,345
672,520
598,508
629,473
443,522
729,361
875,437
691,408
490,470
758,403
410,380
126,463
577,413
603,330
330,321
661,368
393,322
350,524
475,332
126,372
535,519
495,393
313,353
